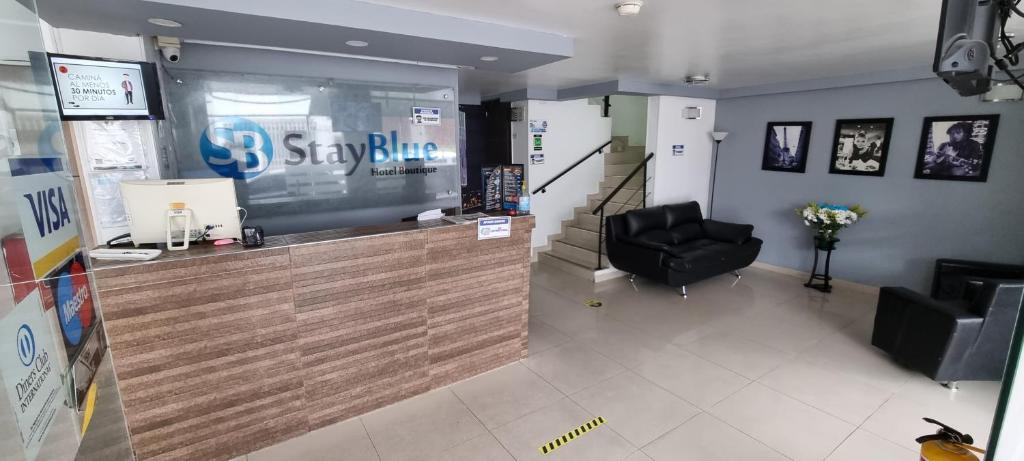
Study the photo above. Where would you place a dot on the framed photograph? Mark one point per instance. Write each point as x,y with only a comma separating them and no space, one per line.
785,146
861,146
956,148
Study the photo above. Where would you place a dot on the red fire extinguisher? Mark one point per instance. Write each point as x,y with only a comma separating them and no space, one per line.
947,444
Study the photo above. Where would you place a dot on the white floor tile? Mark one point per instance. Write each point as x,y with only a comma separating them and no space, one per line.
573,367
639,456
542,336
790,427
900,420
346,441
506,394
705,438
482,448
409,430
524,437
747,358
863,445
637,409
847,398
692,378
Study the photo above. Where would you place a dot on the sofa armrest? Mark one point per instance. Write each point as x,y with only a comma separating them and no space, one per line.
924,333
951,275
727,232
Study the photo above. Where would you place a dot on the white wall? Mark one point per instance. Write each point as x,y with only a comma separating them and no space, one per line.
679,178
1011,444
629,118
574,129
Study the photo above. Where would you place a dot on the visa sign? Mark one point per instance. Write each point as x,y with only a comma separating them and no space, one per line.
238,148
48,221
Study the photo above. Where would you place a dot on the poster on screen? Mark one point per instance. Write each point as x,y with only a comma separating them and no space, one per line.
31,374
86,87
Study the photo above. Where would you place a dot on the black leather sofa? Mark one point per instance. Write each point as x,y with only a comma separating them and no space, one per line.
962,330
675,245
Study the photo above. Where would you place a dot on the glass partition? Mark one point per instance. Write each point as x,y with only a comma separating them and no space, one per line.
52,344
314,154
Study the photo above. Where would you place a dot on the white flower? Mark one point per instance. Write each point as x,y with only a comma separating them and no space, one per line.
807,223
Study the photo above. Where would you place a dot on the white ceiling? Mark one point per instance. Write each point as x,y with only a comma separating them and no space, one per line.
740,42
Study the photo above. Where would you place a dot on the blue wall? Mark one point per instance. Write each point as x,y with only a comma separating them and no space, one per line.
912,221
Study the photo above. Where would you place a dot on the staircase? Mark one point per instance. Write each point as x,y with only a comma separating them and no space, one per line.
575,249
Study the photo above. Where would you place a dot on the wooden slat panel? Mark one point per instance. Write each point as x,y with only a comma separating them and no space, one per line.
221,355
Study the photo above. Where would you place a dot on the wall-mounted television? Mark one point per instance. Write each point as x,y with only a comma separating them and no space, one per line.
105,89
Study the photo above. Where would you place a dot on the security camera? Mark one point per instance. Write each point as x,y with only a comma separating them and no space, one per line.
170,48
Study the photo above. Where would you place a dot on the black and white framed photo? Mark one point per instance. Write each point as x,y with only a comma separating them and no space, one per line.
785,146
956,148
861,146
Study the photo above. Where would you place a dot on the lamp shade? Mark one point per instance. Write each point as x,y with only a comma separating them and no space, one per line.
718,136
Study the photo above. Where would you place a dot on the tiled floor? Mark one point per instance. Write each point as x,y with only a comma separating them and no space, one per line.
755,369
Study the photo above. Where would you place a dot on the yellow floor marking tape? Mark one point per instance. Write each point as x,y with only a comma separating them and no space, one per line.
571,435
90,406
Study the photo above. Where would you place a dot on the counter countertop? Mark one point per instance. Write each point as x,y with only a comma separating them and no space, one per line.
200,250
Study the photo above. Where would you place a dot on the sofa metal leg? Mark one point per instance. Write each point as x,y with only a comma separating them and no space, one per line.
952,385
737,274
682,291
632,281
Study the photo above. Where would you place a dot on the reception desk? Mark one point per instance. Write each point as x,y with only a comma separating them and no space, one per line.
220,351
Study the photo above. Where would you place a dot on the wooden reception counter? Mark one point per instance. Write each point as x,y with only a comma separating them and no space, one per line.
220,351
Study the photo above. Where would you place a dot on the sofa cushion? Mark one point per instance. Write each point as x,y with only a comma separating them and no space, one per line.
656,236
683,213
686,232
645,219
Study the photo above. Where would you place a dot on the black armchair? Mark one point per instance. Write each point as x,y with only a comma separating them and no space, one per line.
962,331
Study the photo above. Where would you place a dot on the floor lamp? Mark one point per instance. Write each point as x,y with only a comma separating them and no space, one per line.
718,136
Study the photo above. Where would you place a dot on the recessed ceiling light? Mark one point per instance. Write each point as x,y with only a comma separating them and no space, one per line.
163,22
489,58
631,8
356,43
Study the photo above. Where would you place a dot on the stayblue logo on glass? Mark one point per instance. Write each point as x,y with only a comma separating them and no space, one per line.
238,148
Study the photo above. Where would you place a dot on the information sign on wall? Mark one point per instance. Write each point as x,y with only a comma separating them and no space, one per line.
30,372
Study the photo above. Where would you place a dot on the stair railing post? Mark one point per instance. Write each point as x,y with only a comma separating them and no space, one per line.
645,186
600,237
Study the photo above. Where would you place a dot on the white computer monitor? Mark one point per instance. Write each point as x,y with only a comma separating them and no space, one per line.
212,201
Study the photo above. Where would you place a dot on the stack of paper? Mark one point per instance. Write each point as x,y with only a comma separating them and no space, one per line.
430,214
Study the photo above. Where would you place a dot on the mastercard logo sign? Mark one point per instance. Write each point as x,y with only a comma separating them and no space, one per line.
74,303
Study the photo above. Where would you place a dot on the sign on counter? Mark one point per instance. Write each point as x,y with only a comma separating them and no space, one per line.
426,116
28,361
497,227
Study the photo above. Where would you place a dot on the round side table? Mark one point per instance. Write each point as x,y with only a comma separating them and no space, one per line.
822,245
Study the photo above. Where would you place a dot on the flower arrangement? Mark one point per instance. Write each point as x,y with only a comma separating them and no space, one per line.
828,219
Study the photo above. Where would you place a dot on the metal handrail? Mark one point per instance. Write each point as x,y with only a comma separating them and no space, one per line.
600,208
542,189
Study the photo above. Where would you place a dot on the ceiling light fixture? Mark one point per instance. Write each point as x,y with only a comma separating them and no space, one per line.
698,80
356,43
488,58
629,8
163,22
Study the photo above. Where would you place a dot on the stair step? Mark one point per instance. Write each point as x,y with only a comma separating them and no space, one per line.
636,182
619,143
642,150
616,203
585,220
548,259
578,236
620,169
578,255
618,158
623,196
